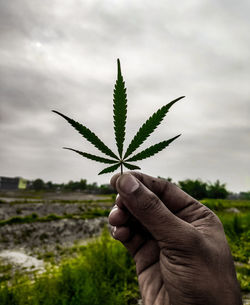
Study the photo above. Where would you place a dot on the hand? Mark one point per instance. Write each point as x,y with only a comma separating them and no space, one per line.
181,253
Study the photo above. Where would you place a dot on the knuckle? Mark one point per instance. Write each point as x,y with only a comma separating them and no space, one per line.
193,239
217,222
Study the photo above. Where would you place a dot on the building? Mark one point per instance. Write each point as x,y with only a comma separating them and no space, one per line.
17,183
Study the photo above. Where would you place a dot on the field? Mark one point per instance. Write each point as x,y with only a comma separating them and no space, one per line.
56,249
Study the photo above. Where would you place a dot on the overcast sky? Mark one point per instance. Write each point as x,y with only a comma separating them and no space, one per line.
62,55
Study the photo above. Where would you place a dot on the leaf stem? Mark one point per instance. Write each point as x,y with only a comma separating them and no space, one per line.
121,168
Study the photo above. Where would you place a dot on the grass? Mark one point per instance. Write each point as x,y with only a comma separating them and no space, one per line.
223,204
243,276
89,214
109,201
237,230
5,271
102,273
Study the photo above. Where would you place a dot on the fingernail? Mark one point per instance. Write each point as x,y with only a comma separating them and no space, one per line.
128,183
113,232
117,196
115,208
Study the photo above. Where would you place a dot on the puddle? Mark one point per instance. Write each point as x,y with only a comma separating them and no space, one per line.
23,260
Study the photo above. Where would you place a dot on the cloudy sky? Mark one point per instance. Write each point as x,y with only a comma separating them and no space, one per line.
62,55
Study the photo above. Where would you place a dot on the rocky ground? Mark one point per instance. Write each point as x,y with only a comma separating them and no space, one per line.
23,244
48,235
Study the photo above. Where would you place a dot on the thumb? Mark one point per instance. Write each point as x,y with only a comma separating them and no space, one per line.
149,210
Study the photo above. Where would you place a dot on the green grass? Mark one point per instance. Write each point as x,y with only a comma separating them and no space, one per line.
81,201
222,204
243,276
108,201
89,214
5,271
237,230
103,273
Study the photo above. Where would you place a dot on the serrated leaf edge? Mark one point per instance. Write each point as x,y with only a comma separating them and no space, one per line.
119,110
89,135
109,169
148,127
152,150
92,157
130,166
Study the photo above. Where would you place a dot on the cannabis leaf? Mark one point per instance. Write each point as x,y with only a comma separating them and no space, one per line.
120,116
120,110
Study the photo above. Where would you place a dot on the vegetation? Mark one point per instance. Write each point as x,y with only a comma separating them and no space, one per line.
244,195
89,214
120,116
224,204
196,188
200,190
103,273
90,202
71,186
237,230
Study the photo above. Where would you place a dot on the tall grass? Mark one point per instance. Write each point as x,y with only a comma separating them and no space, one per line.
103,273
222,204
237,229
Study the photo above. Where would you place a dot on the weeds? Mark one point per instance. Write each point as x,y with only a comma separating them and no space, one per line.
103,273
223,204
89,214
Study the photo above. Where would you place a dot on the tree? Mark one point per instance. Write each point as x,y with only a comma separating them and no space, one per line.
217,190
195,188
82,184
38,185
244,195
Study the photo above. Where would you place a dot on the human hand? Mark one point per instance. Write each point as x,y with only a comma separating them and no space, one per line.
181,253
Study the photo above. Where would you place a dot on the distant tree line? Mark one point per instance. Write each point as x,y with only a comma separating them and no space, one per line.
82,185
200,190
196,188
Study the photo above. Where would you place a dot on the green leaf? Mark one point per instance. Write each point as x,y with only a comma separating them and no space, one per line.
150,151
89,135
120,117
131,166
92,157
119,110
110,169
148,127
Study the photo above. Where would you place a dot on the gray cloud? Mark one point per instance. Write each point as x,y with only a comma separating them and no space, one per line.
61,55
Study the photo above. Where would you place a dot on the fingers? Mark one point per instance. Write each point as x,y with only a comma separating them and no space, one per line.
138,243
121,233
172,196
148,209
126,229
118,216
